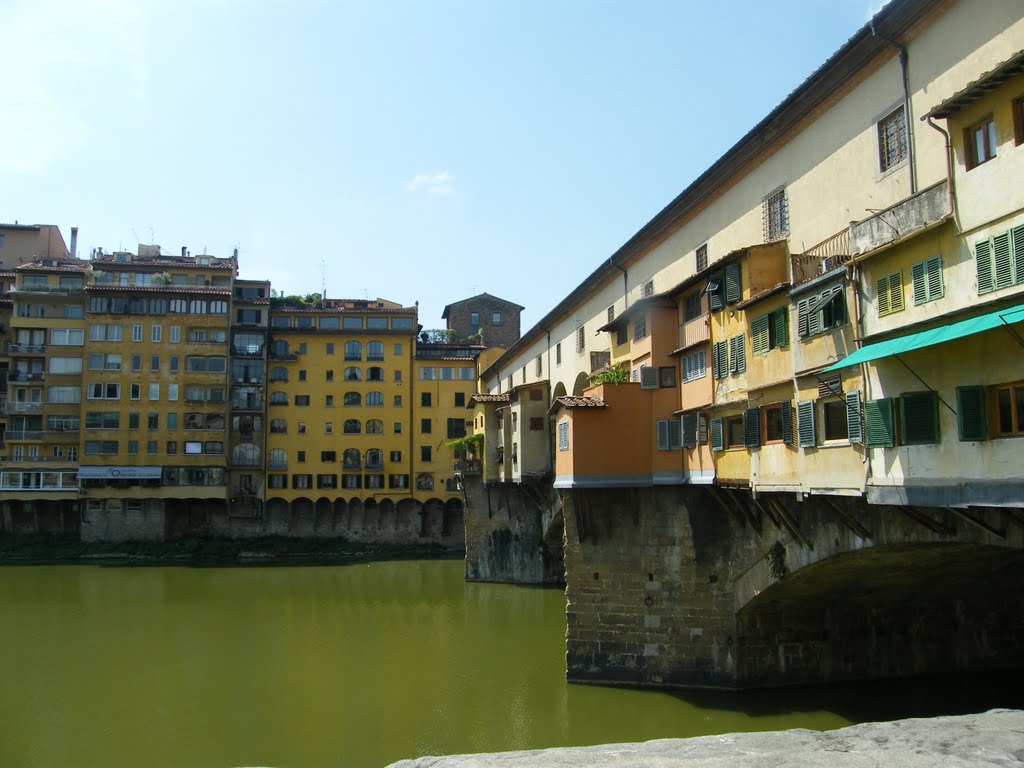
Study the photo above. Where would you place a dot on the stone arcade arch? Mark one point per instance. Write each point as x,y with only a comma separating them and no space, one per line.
581,383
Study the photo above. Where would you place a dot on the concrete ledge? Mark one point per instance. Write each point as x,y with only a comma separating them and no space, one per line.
992,738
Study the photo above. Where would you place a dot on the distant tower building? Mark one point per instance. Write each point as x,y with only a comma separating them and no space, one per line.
495,319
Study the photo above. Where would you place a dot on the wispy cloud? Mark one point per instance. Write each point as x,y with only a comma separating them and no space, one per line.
433,184
69,65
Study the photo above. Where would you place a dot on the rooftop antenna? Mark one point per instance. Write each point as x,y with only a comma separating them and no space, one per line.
323,279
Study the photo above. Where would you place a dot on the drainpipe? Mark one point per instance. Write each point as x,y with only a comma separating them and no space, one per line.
951,197
625,281
911,165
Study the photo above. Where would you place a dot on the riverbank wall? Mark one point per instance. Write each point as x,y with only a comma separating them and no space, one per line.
994,738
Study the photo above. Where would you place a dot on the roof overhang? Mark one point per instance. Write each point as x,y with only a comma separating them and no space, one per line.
976,90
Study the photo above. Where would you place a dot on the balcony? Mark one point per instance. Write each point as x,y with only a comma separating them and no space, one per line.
819,259
277,464
252,381
247,404
248,350
695,331
62,434
16,348
914,214
14,408
15,435
47,290
468,467
375,466
350,466
26,376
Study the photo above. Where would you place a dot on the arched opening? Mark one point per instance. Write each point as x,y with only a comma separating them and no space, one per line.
582,382
559,391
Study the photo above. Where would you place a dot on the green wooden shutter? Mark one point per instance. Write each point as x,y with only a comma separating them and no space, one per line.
919,418
787,422
933,274
983,255
813,316
759,335
700,365
896,292
648,377
882,295
720,359
733,292
878,423
1001,262
737,355
663,436
853,423
717,296
674,434
1017,235
781,320
689,430
717,435
920,285
805,423
970,413
802,311
752,427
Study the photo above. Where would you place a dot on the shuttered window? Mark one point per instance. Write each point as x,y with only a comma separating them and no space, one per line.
769,331
787,422
919,418
668,434
927,279
721,359
702,429
878,423
970,413
889,294
718,434
563,435
1000,260
805,423
689,422
648,377
694,366
854,426
752,427
829,384
821,312
737,355
733,289
716,291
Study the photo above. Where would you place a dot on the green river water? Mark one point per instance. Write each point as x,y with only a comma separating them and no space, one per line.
347,665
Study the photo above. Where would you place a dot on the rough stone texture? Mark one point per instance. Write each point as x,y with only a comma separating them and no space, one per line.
993,738
510,537
504,335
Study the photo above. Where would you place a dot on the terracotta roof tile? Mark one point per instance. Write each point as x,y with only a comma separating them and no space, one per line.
484,398
207,289
575,401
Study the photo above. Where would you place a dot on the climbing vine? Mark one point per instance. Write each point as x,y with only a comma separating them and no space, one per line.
777,561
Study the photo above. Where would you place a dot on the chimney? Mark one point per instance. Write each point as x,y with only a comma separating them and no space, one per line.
183,253
236,253
74,242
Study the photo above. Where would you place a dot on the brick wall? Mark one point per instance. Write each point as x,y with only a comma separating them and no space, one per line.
503,335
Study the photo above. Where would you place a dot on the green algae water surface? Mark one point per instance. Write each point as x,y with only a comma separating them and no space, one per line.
353,665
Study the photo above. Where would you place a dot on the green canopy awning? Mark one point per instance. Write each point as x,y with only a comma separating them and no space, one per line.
931,337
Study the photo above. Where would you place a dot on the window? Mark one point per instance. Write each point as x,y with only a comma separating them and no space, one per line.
376,323
374,458
919,418
834,419
581,340
136,333
770,331
693,307
302,481
154,391
694,366
353,374
702,257
610,313
732,432
375,350
720,359
927,278
65,365
328,457
425,453
456,428
1000,260
980,142
821,312
352,399
326,481
889,293
1009,409
538,366
302,374
374,399
330,348
647,289
640,328
398,428
1018,120
460,399
892,139
558,353
775,214
352,427
495,318
156,333
669,434
428,374
67,337
154,362
99,391
474,321
425,426
777,420
666,376
737,355
136,362
353,350
328,401
425,399
398,481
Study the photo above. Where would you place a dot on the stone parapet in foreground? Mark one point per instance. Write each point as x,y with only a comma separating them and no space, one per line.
992,738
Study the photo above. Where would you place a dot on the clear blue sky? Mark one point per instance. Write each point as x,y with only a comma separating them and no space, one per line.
420,150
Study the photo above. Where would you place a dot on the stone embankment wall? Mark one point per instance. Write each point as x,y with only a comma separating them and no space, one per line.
513,534
993,738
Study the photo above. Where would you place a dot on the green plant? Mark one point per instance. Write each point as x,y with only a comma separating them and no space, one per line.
616,375
470,444
777,561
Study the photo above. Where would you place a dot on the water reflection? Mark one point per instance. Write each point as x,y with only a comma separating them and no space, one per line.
356,665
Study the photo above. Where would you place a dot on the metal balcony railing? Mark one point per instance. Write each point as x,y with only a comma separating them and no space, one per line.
26,376
21,434
17,348
695,331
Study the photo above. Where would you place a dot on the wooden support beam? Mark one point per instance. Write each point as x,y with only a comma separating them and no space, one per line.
766,511
755,523
851,522
927,520
965,515
714,492
790,523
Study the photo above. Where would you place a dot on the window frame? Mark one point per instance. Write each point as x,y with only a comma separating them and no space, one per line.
986,128
899,137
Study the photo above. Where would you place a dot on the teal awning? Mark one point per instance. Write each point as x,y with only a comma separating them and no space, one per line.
931,337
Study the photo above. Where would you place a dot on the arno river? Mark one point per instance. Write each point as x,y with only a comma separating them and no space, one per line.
348,665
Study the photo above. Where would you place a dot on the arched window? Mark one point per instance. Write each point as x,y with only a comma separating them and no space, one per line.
245,455
218,307
278,459
353,374
353,398
197,307
279,373
375,427
278,426
375,374
374,398
279,398
350,458
375,350
178,306
353,350
352,427
374,458
424,481
279,348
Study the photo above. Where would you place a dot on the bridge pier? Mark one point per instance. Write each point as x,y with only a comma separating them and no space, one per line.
708,587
